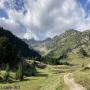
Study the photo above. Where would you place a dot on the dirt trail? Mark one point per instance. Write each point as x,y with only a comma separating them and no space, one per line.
70,82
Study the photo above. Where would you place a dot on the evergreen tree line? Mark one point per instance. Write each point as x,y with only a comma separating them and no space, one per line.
19,73
8,53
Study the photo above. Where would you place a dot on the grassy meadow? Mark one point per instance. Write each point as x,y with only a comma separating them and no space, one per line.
52,77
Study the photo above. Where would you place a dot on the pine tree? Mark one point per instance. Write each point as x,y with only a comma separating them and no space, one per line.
19,73
7,73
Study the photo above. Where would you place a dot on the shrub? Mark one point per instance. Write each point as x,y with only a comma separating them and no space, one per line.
86,68
30,70
82,52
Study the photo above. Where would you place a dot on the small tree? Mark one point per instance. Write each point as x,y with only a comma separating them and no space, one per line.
33,70
19,73
7,73
7,68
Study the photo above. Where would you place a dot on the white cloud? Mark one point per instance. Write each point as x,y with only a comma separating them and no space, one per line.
45,18
53,17
12,26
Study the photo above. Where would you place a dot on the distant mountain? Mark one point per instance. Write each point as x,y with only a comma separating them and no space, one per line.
21,47
40,46
32,42
67,41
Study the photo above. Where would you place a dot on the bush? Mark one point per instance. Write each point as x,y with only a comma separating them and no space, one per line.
30,70
86,68
82,52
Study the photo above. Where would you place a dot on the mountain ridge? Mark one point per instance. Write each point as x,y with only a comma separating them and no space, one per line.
70,39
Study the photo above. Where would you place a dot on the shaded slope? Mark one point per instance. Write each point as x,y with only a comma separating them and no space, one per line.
21,47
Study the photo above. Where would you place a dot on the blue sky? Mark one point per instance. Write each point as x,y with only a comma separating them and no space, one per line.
3,13
40,19
86,5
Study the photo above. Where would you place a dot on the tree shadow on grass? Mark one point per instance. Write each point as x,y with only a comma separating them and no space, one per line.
10,80
42,75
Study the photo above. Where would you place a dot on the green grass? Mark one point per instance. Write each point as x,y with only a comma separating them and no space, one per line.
50,78
43,81
29,83
83,77
77,61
